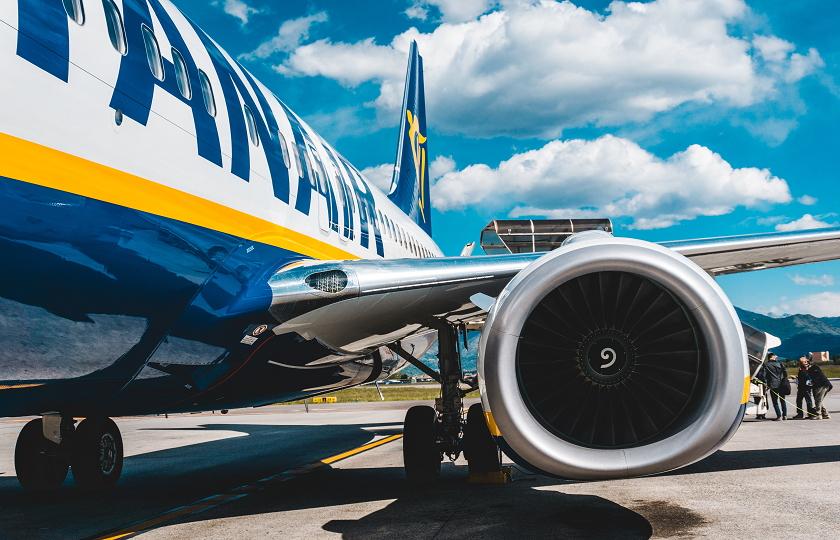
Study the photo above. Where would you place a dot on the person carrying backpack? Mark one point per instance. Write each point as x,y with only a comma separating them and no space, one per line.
775,376
820,386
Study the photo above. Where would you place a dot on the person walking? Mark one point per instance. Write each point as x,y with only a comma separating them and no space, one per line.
774,375
803,390
820,386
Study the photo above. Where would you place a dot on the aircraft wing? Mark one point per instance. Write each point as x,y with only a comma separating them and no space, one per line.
356,306
734,254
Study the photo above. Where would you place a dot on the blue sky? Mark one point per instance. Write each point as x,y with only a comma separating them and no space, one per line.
675,118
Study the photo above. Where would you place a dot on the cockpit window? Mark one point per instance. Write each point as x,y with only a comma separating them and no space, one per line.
181,74
75,10
207,93
116,30
153,53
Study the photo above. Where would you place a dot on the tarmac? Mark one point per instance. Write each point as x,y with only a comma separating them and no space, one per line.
280,472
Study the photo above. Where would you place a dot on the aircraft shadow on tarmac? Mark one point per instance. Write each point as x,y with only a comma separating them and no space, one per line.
159,481
738,460
450,509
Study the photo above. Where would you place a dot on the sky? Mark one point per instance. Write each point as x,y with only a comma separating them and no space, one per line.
677,119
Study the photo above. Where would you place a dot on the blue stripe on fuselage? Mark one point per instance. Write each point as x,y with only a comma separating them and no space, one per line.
98,287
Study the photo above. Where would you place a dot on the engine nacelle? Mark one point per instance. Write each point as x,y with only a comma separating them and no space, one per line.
610,358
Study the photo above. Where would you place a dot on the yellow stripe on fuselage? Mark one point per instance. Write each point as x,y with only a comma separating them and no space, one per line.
36,164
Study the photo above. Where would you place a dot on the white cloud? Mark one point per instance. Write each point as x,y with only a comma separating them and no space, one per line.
807,200
805,222
824,280
380,176
610,177
440,166
769,220
535,69
292,33
450,10
417,12
825,304
349,64
240,10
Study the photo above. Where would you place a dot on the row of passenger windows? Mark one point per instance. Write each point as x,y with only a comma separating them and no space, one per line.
116,32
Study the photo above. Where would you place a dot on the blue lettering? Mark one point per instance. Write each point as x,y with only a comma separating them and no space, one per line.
135,83
44,36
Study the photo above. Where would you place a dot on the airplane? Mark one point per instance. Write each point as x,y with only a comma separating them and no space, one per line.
173,239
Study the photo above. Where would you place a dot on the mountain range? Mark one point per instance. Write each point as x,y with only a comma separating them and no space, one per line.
800,334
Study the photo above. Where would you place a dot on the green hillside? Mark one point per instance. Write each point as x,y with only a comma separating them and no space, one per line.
800,334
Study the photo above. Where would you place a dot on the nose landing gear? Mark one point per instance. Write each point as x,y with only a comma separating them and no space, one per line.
93,451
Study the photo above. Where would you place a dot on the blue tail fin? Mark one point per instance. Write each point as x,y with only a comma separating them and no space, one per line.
410,183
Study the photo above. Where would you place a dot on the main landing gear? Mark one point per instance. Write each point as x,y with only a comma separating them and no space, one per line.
47,447
430,433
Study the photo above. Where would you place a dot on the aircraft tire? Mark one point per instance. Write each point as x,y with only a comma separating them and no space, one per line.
421,456
479,446
38,465
97,455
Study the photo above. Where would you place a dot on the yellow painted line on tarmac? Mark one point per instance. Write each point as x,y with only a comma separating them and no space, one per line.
236,493
360,449
16,386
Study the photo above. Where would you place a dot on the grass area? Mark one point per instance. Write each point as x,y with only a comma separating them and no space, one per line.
368,393
830,371
413,393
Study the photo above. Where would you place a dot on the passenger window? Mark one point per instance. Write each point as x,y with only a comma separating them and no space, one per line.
252,126
352,199
181,74
297,160
309,167
207,93
359,200
153,53
116,30
340,193
75,10
283,149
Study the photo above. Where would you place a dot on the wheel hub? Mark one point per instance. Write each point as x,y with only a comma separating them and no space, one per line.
107,453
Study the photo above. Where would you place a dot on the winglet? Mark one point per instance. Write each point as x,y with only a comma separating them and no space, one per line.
410,182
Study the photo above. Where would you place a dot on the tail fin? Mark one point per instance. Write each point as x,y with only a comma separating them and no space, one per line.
410,183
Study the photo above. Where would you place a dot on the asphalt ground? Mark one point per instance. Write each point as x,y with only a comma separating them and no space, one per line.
204,476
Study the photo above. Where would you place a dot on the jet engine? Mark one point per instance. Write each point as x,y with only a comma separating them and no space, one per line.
609,358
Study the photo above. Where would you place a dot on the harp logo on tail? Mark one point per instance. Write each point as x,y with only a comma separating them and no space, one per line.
418,150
